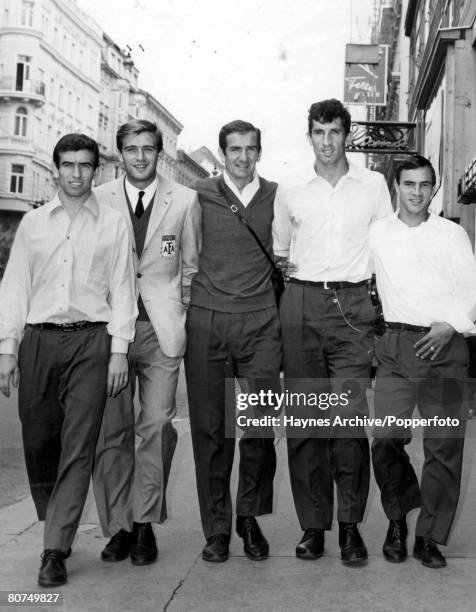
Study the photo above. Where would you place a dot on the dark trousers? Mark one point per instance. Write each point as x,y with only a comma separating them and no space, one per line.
62,392
219,346
328,344
404,380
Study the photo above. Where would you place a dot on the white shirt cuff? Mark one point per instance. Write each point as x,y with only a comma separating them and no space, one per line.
9,346
461,323
118,345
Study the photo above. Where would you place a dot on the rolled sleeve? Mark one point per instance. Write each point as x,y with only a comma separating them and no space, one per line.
282,225
15,291
462,313
383,203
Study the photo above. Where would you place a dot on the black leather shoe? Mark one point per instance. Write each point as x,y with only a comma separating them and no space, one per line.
144,547
52,570
427,552
311,545
395,545
255,544
217,548
352,547
118,547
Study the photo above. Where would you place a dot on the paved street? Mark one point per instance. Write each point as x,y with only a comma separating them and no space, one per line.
181,581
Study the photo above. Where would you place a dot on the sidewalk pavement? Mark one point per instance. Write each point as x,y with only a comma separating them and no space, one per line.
180,580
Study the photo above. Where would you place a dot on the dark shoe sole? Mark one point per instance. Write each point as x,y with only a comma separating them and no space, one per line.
51,583
308,555
394,559
434,565
144,560
355,561
115,559
215,559
252,557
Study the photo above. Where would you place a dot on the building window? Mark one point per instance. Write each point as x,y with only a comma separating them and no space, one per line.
27,13
21,120
16,179
23,72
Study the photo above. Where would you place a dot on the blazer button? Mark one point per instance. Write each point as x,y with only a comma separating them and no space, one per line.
139,275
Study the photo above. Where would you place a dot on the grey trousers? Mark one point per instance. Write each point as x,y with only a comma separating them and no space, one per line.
402,381
62,391
130,482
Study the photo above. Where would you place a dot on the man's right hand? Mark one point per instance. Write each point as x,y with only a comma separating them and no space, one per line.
8,372
288,268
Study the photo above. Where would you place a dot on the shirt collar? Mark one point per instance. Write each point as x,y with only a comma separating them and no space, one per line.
91,204
432,217
354,172
254,183
133,192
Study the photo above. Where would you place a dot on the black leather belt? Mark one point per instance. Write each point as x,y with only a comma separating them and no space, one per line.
407,327
328,284
65,327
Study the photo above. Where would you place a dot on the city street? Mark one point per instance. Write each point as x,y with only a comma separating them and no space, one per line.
181,580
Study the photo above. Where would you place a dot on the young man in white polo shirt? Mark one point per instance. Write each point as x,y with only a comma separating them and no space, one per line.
426,278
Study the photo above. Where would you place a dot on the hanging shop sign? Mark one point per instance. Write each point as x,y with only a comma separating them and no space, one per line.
382,137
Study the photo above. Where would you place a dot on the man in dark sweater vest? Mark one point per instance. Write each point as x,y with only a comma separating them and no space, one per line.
129,483
232,331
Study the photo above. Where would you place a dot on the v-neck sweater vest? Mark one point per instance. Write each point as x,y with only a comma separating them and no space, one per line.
139,227
234,275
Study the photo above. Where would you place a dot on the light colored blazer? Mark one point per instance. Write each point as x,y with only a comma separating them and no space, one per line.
169,259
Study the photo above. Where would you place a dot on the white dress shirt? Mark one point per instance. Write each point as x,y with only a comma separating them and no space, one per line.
323,230
64,270
133,193
247,193
426,273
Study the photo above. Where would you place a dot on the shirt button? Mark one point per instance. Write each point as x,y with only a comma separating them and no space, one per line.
335,301
139,275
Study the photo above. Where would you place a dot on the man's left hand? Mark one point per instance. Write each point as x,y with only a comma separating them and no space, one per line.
117,374
431,344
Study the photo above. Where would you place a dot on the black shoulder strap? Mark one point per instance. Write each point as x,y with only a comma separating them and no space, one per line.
236,212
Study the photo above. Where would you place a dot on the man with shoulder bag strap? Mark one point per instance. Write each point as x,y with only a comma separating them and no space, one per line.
233,331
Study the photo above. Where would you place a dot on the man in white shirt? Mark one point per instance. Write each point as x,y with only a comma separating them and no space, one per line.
130,483
67,313
426,278
327,327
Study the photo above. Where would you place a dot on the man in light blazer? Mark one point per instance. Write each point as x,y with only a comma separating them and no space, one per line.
130,483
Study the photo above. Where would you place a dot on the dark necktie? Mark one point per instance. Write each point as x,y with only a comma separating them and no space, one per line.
139,206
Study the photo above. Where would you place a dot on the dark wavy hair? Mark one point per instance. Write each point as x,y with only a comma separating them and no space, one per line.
413,163
327,111
76,142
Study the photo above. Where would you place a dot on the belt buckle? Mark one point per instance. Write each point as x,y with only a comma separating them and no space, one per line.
326,285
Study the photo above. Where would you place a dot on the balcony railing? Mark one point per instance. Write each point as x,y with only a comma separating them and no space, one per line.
34,86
